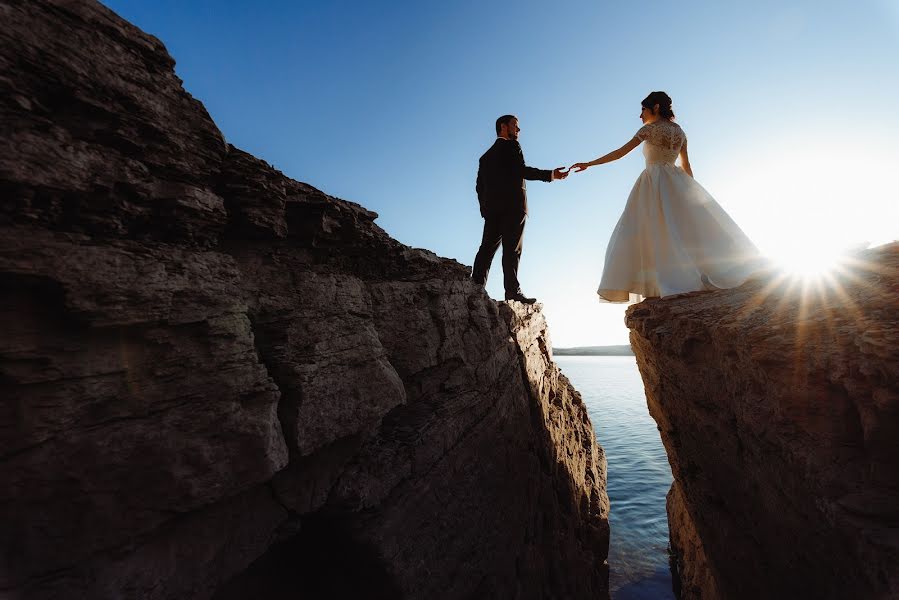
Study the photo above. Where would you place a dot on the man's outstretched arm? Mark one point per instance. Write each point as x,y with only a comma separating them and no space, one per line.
533,174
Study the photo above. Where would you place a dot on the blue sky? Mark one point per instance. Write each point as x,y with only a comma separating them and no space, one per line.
791,111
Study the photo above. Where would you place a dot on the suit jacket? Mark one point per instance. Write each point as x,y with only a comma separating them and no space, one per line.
501,174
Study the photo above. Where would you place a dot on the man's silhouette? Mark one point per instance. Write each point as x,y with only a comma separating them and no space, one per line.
502,195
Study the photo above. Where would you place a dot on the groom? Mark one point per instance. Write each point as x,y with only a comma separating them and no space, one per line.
503,198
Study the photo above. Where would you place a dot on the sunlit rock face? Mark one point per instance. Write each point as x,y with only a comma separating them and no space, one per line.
220,382
778,404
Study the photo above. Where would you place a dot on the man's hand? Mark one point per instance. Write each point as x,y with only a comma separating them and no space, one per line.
560,173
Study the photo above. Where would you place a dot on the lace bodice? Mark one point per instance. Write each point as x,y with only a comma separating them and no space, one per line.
663,141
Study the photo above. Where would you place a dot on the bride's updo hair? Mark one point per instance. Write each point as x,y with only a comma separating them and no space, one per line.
664,102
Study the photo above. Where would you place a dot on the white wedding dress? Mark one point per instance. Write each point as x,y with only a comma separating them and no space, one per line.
672,237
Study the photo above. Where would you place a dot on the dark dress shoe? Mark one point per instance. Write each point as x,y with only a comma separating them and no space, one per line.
519,297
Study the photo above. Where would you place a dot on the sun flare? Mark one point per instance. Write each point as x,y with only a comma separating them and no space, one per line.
808,263
806,213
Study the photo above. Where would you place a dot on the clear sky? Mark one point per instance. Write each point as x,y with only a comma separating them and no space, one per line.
792,110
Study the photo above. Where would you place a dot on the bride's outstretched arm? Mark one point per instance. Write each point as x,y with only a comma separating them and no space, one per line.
613,155
685,160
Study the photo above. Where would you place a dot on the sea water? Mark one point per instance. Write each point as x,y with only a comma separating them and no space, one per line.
638,473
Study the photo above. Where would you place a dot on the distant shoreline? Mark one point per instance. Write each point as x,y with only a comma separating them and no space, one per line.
624,350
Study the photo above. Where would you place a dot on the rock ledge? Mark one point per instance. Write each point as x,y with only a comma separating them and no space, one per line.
778,405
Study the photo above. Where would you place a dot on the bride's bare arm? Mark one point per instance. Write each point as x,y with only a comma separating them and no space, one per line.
613,155
685,160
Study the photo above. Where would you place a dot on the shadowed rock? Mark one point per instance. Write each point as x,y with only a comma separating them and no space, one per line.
218,381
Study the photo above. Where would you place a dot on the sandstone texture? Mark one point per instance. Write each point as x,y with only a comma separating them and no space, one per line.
778,404
691,575
217,382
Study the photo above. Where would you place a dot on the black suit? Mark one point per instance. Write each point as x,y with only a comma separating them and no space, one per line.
502,194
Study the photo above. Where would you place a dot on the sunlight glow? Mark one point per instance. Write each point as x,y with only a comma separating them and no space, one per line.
808,262
804,210
824,297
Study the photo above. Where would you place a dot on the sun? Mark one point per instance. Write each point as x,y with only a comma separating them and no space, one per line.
804,212
808,262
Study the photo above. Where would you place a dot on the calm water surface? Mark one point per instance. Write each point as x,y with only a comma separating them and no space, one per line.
638,476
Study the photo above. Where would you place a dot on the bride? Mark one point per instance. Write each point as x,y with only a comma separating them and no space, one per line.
672,237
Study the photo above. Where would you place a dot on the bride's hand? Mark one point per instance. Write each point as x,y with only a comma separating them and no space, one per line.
578,167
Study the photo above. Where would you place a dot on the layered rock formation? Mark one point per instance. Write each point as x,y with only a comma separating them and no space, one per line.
778,404
220,382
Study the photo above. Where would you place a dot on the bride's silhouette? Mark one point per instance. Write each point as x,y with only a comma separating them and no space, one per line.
672,237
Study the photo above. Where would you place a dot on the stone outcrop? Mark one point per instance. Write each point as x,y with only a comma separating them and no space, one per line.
778,404
220,382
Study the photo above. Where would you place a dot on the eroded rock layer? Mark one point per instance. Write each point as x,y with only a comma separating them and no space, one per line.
220,382
778,404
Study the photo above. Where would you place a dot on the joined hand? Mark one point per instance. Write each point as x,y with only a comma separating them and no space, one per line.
560,173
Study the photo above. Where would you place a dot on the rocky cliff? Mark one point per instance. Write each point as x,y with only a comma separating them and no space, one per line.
220,382
778,404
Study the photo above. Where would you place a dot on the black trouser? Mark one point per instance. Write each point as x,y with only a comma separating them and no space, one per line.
506,229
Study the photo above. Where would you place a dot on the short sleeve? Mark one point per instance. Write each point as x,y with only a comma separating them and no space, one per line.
642,133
